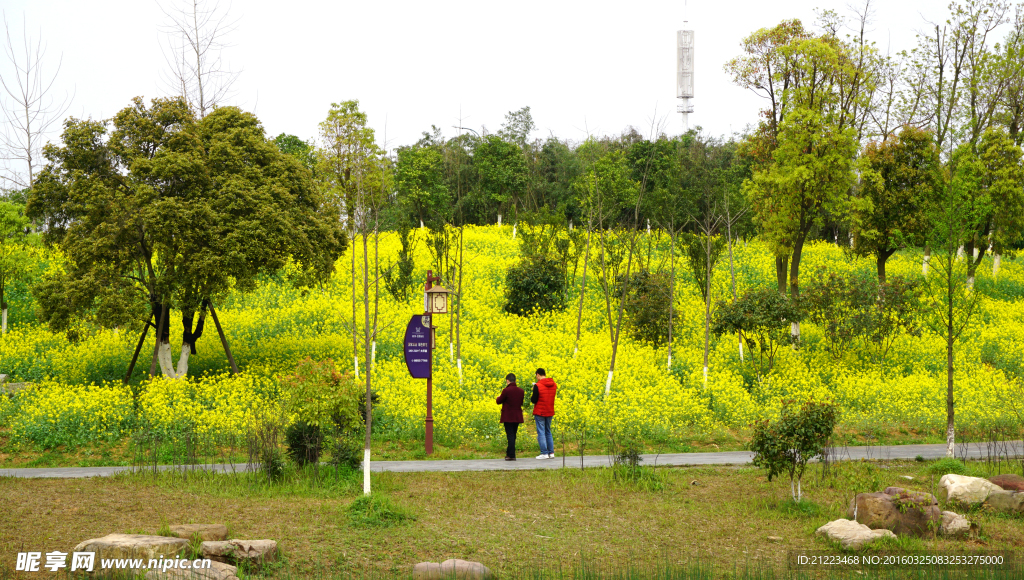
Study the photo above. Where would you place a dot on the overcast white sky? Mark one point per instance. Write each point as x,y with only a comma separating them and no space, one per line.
580,65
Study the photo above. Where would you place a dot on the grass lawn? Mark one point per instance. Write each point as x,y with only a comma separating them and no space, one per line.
510,521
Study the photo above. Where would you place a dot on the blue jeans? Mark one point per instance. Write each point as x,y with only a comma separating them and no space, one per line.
544,438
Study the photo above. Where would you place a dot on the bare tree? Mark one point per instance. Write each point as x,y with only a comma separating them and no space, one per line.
196,34
29,108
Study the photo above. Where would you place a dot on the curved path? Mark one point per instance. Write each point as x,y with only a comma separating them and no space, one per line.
885,452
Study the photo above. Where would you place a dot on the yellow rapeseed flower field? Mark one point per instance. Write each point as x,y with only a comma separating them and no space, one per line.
77,393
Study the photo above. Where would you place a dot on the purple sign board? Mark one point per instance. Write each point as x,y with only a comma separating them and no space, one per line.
417,347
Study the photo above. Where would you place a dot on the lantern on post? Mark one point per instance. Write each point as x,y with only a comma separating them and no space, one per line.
419,347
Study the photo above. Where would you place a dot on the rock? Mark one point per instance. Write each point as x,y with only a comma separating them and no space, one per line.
254,552
133,546
1006,501
774,539
450,569
904,496
852,535
3,379
964,490
1009,482
907,477
954,525
207,532
216,571
426,571
464,570
905,514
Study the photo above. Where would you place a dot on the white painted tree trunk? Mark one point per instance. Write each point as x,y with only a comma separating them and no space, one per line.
451,351
570,225
166,360
924,265
458,363
960,252
608,384
976,252
950,441
705,375
648,227
514,226
499,219
373,355
970,282
421,224
740,341
794,330
995,264
366,472
669,365
355,365
4,331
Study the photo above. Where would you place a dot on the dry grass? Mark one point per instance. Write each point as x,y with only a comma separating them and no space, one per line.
507,520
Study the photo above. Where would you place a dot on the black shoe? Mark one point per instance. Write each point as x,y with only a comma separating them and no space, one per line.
510,459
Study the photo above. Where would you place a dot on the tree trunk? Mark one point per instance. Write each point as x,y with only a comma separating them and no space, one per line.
583,290
355,346
672,291
368,375
781,270
794,282
950,339
618,323
880,259
995,264
925,260
458,310
707,302
161,334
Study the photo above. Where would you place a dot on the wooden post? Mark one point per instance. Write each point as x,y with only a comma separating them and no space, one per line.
159,334
223,339
138,348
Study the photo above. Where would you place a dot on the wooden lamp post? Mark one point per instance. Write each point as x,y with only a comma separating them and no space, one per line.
435,301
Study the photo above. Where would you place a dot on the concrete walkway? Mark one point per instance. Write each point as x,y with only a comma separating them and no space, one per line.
973,451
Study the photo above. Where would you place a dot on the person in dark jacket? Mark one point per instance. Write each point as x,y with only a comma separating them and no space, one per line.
511,401
543,399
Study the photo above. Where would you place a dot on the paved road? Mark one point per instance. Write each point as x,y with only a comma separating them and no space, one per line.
974,451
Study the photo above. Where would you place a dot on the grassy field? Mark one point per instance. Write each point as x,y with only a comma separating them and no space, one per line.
516,523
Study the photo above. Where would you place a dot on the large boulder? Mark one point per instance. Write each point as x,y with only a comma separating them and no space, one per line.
965,490
252,552
207,532
216,571
122,546
905,514
908,496
852,535
1009,482
954,525
450,569
1006,501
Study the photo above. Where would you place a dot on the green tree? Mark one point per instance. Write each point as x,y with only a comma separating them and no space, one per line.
993,181
503,174
166,211
763,316
301,150
15,261
898,178
421,184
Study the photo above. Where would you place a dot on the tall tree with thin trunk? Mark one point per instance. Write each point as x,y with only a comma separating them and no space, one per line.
30,109
196,33
950,303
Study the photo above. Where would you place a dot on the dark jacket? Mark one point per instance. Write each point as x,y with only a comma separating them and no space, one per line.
511,401
543,397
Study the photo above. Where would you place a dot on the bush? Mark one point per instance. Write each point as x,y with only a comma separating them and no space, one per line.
322,397
533,285
951,465
304,441
799,435
648,298
346,450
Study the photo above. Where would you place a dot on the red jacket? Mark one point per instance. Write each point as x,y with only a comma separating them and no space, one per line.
511,401
545,404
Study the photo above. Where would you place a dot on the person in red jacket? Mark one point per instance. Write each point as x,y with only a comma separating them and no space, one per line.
511,401
543,399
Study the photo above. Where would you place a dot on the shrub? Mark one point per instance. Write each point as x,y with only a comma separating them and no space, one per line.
346,450
322,397
763,316
304,442
648,298
799,435
533,285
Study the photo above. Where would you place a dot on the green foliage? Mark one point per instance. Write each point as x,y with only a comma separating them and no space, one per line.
786,445
420,183
174,210
702,253
320,396
346,450
297,148
647,305
377,511
899,178
763,316
398,275
272,464
952,465
534,285
15,260
503,173
304,442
